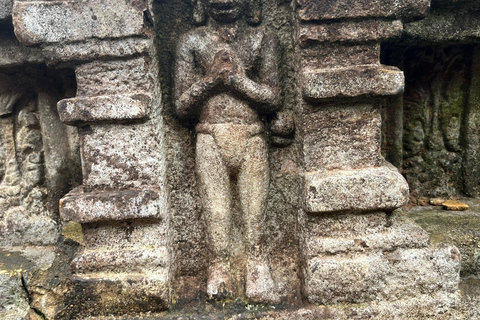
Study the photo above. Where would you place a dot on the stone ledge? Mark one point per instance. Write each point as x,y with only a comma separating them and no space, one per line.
357,32
94,49
420,307
104,108
108,206
133,260
367,80
359,190
402,234
69,21
314,10
99,294
382,276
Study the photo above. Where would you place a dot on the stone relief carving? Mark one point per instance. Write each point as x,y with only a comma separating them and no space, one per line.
22,194
226,79
434,108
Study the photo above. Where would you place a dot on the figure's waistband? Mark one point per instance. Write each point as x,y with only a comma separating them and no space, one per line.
210,128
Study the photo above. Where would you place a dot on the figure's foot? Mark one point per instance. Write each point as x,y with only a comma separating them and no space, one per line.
219,285
259,286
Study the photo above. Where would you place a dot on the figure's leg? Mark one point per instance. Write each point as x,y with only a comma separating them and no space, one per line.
214,188
253,184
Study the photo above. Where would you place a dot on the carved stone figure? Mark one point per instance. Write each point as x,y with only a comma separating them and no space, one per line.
226,78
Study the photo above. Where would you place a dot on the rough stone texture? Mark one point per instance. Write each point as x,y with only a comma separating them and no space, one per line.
96,48
446,23
440,121
16,266
100,78
388,250
126,161
352,82
35,148
68,21
363,31
144,242
311,10
108,206
334,55
104,108
459,228
13,53
5,9
376,188
339,138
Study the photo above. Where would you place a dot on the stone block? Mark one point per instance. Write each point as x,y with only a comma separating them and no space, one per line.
116,293
339,55
312,10
124,235
444,25
121,260
382,276
355,81
366,189
120,156
13,53
357,32
341,137
93,49
107,206
5,9
70,21
100,78
345,225
401,233
104,108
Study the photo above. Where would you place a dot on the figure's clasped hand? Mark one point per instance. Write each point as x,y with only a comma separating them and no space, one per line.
224,69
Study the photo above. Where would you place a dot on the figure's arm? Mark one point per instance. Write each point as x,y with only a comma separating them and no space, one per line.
265,93
190,88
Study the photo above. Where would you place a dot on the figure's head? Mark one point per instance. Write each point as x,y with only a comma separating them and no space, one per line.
227,10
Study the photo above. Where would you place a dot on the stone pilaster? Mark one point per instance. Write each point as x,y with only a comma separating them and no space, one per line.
123,266
355,249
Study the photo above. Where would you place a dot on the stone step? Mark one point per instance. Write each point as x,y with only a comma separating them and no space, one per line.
403,233
104,294
120,260
360,278
419,308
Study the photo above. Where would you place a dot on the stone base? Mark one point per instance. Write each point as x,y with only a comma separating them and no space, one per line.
420,307
103,294
363,258
361,190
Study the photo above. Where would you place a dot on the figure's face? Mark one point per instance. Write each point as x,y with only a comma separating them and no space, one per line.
226,10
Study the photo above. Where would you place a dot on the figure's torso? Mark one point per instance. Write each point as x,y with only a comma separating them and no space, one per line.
226,106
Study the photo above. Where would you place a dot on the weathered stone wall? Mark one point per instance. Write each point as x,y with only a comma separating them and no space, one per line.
98,79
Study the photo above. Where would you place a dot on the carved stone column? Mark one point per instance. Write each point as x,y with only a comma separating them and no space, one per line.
123,266
356,250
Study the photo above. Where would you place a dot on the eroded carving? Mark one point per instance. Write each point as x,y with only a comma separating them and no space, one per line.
22,194
226,79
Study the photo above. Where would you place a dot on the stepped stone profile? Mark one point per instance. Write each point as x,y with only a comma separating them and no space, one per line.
214,159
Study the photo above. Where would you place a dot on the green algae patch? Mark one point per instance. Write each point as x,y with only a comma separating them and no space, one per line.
73,230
